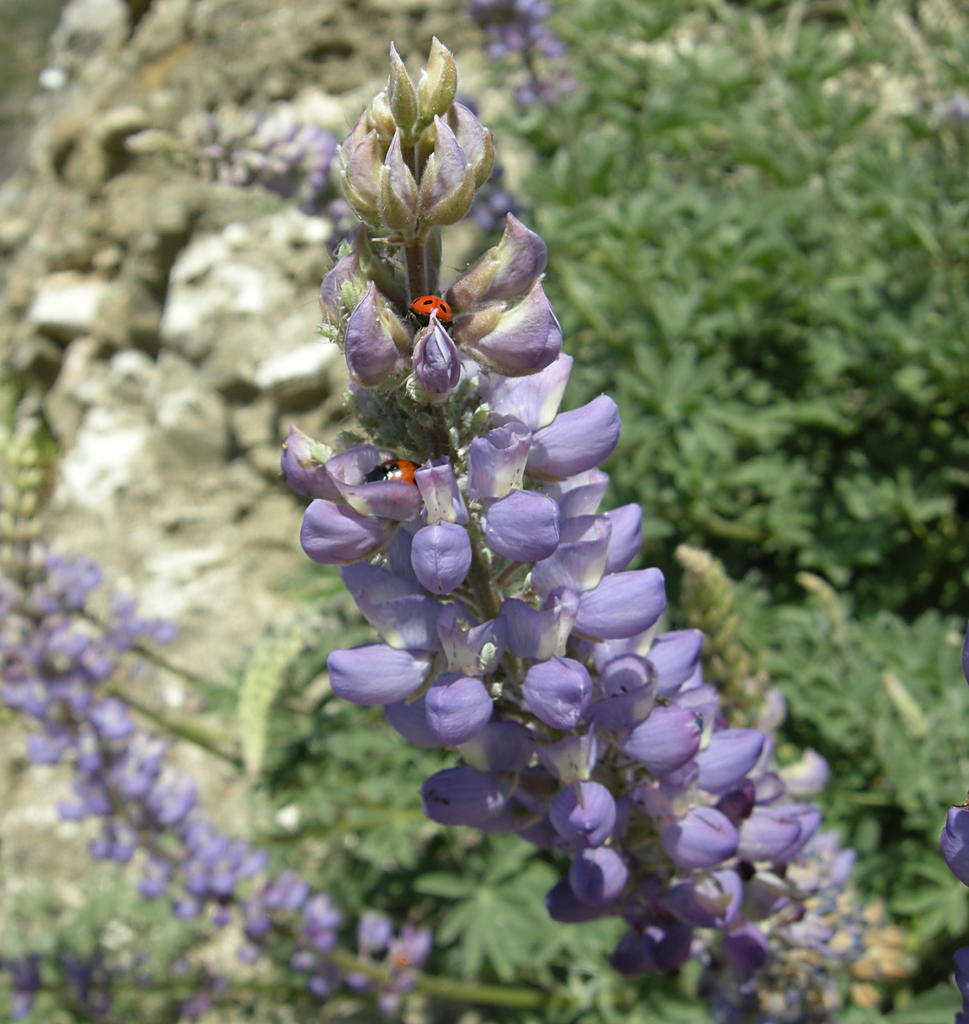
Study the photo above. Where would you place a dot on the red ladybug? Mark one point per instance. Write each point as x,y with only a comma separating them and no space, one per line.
392,469
424,305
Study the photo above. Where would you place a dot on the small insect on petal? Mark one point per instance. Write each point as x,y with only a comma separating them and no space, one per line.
424,305
392,469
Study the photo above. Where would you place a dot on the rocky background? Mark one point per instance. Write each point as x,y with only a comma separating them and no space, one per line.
170,323
166,326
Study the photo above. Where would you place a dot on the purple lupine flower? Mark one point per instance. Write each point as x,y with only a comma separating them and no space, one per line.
276,152
144,807
511,624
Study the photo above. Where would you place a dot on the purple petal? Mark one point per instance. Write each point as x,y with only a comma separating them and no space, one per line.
668,738
728,757
335,534
532,400
598,876
768,834
675,656
409,718
583,813
524,526
624,604
539,633
702,838
439,489
633,954
576,440
496,462
303,465
746,947
395,606
463,796
376,674
436,362
501,746
441,556
368,346
471,648
564,906
626,537
579,495
458,708
954,841
579,561
557,691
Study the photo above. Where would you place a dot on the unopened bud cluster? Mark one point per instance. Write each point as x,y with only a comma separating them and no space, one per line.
415,157
510,626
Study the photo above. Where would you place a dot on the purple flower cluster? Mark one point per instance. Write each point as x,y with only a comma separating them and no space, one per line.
288,158
54,665
399,955
511,626
954,841
517,28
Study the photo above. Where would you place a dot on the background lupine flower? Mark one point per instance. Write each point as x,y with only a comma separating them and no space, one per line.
55,667
954,841
511,626
516,30
289,158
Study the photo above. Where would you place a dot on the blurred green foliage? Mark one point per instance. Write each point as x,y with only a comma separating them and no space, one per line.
758,237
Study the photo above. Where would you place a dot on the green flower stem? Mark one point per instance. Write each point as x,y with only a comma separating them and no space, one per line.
459,991
207,739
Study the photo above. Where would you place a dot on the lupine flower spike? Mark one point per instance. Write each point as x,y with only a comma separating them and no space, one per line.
509,623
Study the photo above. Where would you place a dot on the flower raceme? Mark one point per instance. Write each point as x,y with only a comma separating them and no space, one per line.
511,626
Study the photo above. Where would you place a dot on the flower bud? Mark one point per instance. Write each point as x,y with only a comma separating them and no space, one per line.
506,271
436,362
526,337
401,94
342,288
398,191
474,139
380,117
361,164
438,81
369,343
447,181
303,466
